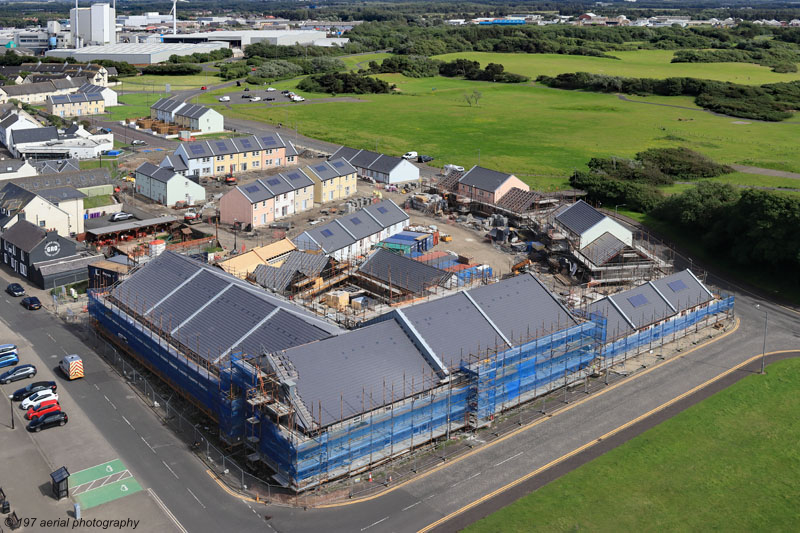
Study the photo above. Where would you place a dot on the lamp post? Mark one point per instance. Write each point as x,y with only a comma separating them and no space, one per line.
616,211
235,243
764,348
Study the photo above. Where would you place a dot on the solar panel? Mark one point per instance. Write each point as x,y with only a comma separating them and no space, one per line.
677,286
196,149
327,233
269,141
246,143
251,188
294,175
638,300
274,181
221,145
382,210
338,164
320,168
356,221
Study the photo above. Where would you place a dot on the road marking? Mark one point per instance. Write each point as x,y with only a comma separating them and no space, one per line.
148,444
126,421
51,338
412,505
107,493
93,473
375,523
591,443
463,480
195,497
112,405
510,458
167,511
96,387
171,470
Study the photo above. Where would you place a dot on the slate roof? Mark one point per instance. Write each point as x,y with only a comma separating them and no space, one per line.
403,272
161,174
88,88
683,290
484,179
363,158
77,179
296,263
12,199
387,213
277,184
603,249
9,119
346,375
192,111
175,162
579,217
216,313
344,152
61,194
359,225
330,238
24,235
331,169
617,326
237,145
32,135
255,192
297,178
167,104
385,164
77,98
73,263
10,165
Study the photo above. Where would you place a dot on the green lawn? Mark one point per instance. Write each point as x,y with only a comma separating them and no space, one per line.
637,64
156,84
538,133
135,105
730,463
97,201
110,163
362,61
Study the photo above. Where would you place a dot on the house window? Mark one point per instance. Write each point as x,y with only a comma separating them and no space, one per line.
255,153
268,162
220,158
347,190
264,203
244,166
41,224
255,164
285,195
207,170
231,156
220,168
278,161
206,159
269,151
290,158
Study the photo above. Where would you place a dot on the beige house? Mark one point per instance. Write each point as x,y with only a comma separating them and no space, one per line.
20,204
37,93
76,105
333,180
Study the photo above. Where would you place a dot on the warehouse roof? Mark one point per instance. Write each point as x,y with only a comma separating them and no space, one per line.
579,217
215,313
332,169
484,179
403,272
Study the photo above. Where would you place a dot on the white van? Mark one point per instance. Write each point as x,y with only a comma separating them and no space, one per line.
224,98
410,155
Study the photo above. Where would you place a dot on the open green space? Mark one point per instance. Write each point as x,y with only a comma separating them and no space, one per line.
729,463
110,163
133,105
156,84
356,62
635,64
540,134
97,201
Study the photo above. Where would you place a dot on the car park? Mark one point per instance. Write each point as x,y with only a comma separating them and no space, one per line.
424,159
42,408
31,303
38,397
53,419
138,142
224,98
17,373
255,99
15,289
36,386
122,215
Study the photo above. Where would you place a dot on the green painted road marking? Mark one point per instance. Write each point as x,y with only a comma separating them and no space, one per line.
96,472
108,493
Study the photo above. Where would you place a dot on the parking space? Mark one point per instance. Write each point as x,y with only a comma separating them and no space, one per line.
238,95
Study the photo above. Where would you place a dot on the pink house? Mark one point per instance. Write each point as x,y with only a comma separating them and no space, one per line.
485,185
249,204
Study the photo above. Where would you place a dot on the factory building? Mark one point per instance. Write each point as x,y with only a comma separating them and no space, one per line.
240,39
135,53
93,25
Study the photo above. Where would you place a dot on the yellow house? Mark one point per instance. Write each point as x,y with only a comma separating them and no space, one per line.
333,180
244,264
76,105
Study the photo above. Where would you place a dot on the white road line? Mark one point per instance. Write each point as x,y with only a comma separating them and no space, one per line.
429,496
510,458
375,523
171,470
126,421
51,338
114,406
412,505
166,511
195,497
96,387
463,480
148,445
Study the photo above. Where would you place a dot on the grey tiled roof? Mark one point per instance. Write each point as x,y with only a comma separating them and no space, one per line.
484,179
61,194
330,237
175,162
359,225
77,179
344,152
643,305
579,217
333,168
387,213
255,192
55,166
403,272
161,174
74,263
297,178
32,135
603,249
167,104
385,164
617,326
13,198
74,98
683,290
276,184
192,111
24,235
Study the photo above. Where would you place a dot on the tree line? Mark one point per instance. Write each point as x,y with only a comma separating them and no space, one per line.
425,67
343,82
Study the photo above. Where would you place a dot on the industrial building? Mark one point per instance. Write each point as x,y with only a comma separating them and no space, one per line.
353,235
93,25
136,53
240,39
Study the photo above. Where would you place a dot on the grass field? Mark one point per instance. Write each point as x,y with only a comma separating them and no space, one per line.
638,64
540,134
361,61
152,83
135,105
729,463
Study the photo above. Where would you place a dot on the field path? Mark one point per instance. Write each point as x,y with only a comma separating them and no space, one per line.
766,172
626,99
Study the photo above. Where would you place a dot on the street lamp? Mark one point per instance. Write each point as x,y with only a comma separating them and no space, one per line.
764,348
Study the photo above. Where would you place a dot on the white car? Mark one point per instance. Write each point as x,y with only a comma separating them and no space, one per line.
224,98
255,99
271,89
38,397
410,155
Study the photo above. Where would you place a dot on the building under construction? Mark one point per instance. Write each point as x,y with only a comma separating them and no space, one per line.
315,402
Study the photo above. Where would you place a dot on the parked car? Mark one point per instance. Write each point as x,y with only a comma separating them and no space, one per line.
43,408
8,355
410,155
38,397
269,99
247,89
284,92
224,98
17,373
36,386
203,88
138,142
122,215
53,419
31,303
15,289
246,96
271,89
424,159
453,168
255,99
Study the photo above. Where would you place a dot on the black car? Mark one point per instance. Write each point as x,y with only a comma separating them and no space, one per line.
246,96
36,386
269,99
31,303
15,289
58,418
424,158
284,93
17,373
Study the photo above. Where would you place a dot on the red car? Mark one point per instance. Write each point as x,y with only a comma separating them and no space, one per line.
46,407
203,88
